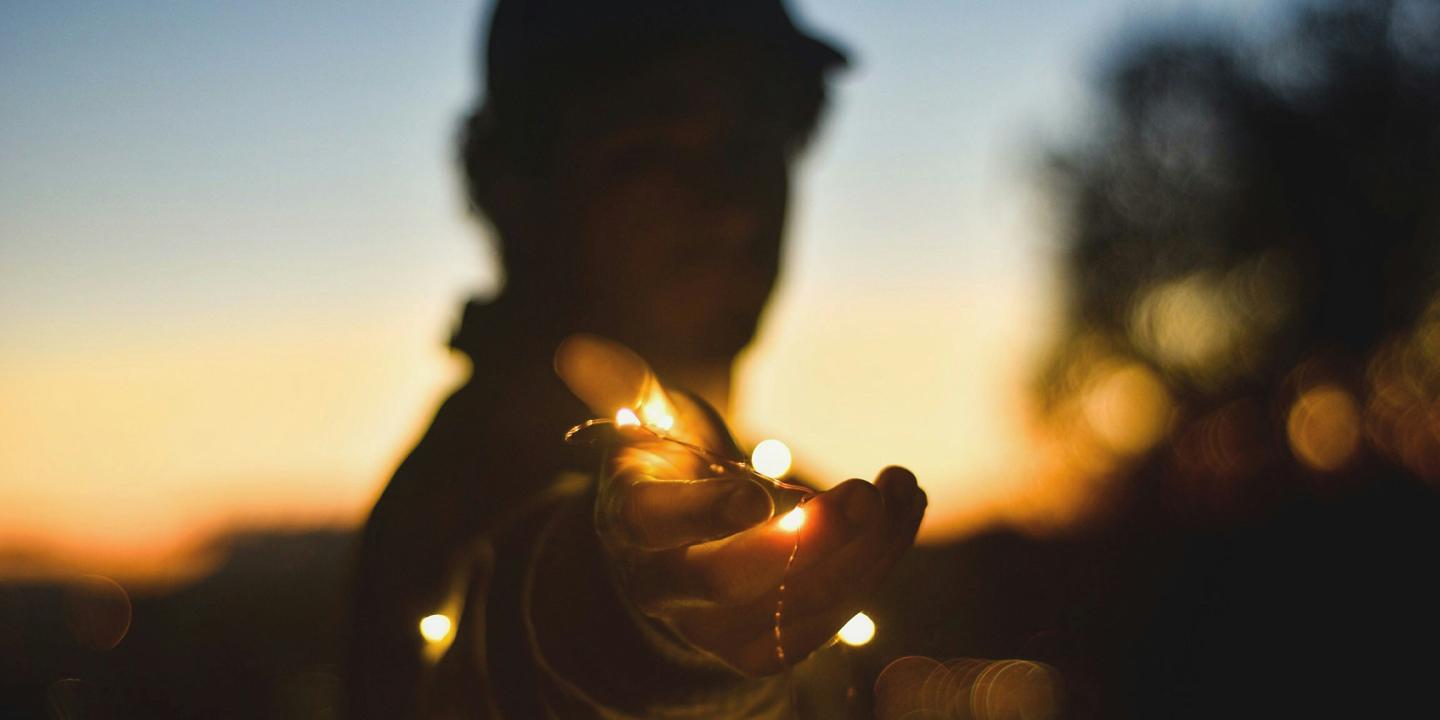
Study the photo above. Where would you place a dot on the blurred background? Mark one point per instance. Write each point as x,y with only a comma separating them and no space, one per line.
233,243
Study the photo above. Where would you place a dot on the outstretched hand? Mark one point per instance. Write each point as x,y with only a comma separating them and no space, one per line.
701,548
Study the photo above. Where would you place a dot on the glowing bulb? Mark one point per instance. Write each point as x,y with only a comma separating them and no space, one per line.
857,630
771,458
793,520
435,628
627,418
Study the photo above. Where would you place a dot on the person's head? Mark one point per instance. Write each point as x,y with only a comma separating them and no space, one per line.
634,159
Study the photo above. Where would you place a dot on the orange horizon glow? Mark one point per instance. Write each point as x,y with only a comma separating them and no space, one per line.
137,464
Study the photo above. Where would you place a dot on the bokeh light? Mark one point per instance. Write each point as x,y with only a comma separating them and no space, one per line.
1324,427
968,688
97,612
1403,394
1209,327
1128,408
771,458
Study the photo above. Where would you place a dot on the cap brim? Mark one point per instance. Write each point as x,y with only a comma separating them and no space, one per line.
824,54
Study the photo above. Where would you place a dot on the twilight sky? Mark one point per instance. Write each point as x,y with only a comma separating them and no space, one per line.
232,244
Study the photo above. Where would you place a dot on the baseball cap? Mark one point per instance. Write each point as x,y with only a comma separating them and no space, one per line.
530,41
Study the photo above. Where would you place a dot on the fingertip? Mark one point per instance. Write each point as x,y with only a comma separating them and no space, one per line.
898,484
855,500
895,473
863,503
605,374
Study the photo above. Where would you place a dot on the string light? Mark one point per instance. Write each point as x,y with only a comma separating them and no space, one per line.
659,423
626,418
768,463
435,628
793,520
857,631
771,458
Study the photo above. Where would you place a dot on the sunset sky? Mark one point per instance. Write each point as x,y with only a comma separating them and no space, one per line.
232,244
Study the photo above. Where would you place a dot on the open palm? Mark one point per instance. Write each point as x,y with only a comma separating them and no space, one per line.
698,544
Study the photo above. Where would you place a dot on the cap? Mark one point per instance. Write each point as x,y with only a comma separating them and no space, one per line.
529,39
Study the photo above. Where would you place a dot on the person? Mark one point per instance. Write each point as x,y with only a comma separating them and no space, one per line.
634,158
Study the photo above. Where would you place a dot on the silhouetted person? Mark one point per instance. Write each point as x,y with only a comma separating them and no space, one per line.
634,158
1253,248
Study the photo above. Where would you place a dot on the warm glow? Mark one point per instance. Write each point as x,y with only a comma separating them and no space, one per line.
655,408
435,628
656,417
1324,427
1128,408
857,630
627,418
931,378
1207,325
793,520
1187,323
129,461
771,458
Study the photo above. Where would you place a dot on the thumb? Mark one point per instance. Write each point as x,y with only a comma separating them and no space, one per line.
607,376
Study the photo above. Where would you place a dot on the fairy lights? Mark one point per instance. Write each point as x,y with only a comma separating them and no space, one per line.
659,423
793,520
769,461
435,628
626,417
858,631
771,458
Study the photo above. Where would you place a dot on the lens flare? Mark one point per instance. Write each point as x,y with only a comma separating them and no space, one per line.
771,458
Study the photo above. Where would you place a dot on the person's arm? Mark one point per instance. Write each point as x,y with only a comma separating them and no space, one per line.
416,557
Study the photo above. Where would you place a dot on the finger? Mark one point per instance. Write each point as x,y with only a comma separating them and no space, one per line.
856,568
606,375
801,635
641,456
661,514
820,602
702,424
750,564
